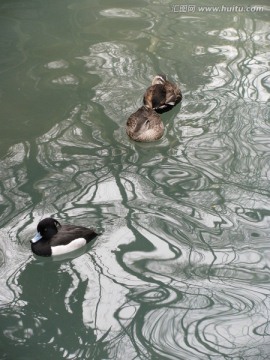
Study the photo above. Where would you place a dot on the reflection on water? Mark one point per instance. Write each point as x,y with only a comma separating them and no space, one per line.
181,270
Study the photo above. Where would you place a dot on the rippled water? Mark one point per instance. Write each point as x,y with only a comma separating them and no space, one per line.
181,270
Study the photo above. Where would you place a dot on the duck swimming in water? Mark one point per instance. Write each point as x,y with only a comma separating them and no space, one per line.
162,95
52,238
145,125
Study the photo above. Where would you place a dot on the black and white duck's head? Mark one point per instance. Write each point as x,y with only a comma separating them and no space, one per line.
46,229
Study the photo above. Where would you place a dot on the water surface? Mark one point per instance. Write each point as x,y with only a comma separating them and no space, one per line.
181,270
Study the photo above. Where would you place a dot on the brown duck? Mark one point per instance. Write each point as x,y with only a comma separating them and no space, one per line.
145,125
162,95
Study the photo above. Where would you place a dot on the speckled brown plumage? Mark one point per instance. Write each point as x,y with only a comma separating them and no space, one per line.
162,95
145,125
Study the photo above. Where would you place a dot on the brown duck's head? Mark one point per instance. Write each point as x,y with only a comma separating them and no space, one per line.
159,79
145,125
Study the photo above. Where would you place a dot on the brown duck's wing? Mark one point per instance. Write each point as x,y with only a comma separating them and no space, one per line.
155,96
137,120
131,121
173,94
173,99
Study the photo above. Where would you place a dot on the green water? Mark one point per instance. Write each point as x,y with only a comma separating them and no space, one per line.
181,270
